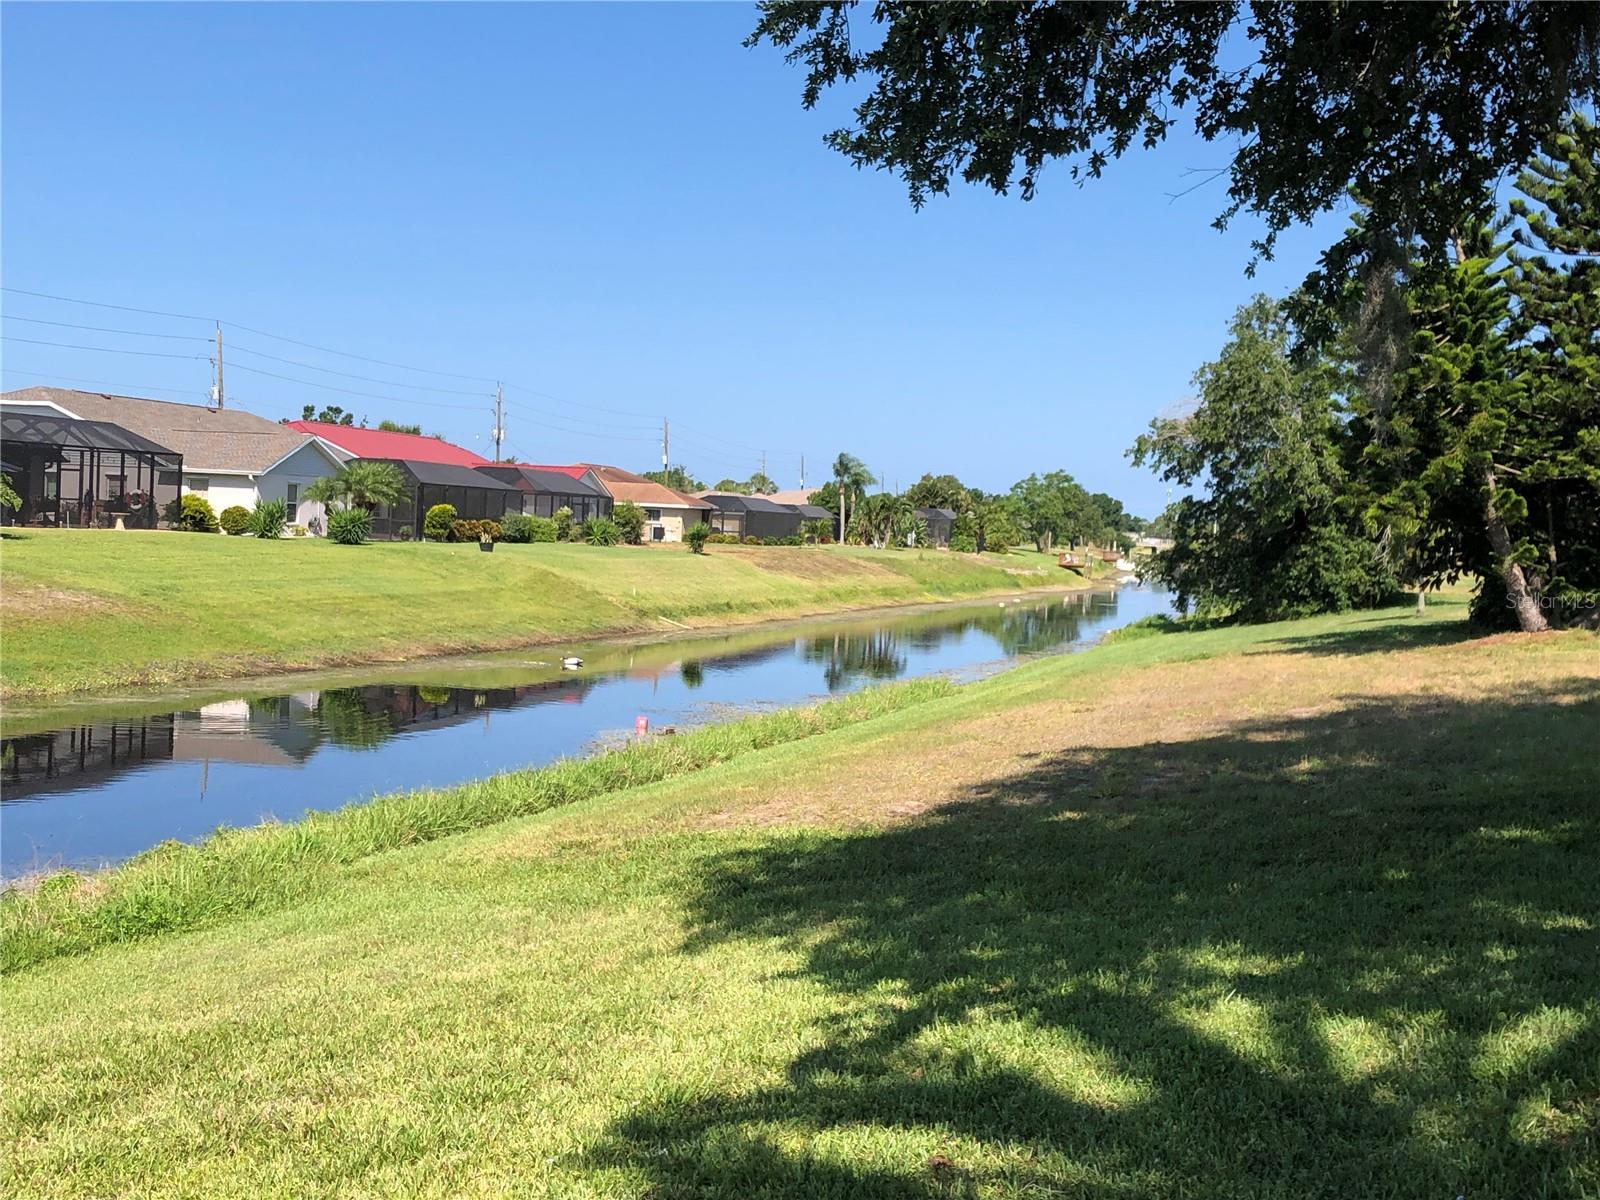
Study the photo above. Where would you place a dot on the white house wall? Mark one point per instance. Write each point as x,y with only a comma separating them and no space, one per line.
302,468
222,490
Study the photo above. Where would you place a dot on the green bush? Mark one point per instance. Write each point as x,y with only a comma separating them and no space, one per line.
516,528
436,524
269,518
563,520
195,515
964,542
697,535
722,539
350,526
404,533
630,519
601,531
541,529
235,520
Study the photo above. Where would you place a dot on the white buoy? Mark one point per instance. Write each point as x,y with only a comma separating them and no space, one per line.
571,662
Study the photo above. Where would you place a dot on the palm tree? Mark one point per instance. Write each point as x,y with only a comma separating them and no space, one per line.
361,483
849,472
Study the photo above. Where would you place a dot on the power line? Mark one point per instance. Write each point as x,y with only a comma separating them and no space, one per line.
358,357
177,337
6,337
149,312
119,389
328,387
420,387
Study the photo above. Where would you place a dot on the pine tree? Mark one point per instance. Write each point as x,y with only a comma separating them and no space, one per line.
1558,318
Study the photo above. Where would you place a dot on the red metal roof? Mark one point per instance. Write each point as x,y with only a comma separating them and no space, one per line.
380,443
577,471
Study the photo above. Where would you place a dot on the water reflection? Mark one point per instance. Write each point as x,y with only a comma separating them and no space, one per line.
100,789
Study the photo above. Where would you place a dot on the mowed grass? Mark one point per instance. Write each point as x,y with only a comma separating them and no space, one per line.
93,610
1299,910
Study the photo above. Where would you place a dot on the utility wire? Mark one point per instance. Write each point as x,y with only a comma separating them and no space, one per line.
278,337
6,337
328,387
119,389
149,312
177,337
421,387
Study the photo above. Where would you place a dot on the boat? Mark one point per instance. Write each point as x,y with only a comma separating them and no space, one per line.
571,662
1071,562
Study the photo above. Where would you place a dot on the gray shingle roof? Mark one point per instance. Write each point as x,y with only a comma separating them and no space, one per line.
209,439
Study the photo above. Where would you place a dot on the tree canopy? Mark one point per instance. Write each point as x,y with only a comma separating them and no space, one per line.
677,477
1418,107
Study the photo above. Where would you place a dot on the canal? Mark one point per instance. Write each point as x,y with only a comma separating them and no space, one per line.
89,784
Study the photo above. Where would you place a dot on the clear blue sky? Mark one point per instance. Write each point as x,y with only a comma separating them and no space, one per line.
613,207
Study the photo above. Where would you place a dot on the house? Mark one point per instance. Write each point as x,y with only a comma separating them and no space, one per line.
667,512
547,489
69,473
795,496
939,521
751,516
435,471
229,456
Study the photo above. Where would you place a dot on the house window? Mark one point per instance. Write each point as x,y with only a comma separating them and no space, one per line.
291,497
198,483
652,514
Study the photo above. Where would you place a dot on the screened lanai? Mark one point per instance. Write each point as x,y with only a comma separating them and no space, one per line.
751,516
546,491
475,496
84,474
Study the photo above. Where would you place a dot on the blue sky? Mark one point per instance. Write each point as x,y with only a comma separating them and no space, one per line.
616,209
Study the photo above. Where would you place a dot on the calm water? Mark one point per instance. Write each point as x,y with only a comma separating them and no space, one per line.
93,784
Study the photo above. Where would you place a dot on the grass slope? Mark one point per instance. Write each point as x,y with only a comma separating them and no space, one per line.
86,610
1300,910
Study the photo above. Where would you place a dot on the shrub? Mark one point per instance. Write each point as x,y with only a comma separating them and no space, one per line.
751,539
601,531
630,519
697,535
349,526
269,518
437,522
490,529
563,520
541,529
404,533
722,539
817,529
963,542
464,531
295,530
195,515
516,528
235,520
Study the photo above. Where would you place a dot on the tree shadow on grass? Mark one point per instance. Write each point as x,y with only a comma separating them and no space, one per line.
1345,956
1383,633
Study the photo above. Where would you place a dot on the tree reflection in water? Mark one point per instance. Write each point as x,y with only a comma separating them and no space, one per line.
1016,630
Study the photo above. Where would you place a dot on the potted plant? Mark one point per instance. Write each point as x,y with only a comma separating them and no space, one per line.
485,542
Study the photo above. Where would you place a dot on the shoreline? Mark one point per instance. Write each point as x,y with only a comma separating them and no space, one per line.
31,704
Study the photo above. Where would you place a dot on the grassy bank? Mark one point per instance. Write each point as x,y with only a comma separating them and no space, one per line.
95,610
1300,910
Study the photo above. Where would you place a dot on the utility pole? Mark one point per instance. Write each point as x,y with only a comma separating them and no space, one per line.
763,462
216,387
499,418
802,472
665,447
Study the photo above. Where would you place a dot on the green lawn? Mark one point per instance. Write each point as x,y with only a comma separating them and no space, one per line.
1302,910
93,610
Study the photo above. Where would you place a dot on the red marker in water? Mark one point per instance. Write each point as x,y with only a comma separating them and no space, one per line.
641,724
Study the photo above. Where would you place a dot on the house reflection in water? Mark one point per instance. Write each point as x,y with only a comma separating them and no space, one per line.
83,755
273,731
